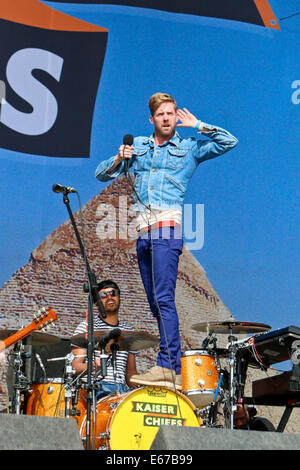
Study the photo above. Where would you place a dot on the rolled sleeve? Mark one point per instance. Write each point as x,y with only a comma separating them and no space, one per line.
103,167
221,141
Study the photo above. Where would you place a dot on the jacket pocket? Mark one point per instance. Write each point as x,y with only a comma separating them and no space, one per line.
176,158
138,156
176,183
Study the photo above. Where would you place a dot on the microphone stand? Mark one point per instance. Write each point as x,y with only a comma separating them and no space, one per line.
93,294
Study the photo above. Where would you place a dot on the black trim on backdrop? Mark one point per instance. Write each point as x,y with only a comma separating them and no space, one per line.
81,56
245,11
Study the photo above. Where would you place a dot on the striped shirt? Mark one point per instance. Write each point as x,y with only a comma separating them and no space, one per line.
121,356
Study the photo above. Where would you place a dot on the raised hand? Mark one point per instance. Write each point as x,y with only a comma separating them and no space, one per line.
187,119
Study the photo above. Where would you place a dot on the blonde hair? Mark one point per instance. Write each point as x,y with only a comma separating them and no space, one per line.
157,99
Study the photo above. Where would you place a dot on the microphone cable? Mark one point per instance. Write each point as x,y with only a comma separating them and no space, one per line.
126,169
163,323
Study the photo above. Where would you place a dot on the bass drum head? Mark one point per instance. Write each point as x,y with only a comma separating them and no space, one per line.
138,417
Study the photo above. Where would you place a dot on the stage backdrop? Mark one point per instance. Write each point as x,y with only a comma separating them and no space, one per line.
76,77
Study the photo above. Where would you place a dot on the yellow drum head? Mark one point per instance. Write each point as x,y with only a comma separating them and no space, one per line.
140,414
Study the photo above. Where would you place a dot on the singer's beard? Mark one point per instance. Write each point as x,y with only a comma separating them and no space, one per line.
165,132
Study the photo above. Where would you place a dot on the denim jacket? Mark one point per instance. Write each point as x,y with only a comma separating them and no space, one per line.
163,172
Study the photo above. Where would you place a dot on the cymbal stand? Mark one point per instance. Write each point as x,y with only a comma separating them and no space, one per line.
232,381
114,348
21,382
68,385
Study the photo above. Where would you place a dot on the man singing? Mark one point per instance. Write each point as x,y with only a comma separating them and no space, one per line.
163,165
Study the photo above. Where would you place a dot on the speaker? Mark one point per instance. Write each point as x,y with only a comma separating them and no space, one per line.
25,432
190,438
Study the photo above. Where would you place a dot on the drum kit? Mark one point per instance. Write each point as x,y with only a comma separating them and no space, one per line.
130,420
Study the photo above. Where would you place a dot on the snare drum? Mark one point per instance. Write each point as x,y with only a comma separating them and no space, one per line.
47,398
199,376
130,421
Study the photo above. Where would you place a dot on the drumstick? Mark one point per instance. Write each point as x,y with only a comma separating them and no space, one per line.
217,389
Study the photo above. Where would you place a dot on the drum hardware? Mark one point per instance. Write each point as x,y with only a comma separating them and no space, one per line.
69,371
237,365
210,342
242,343
43,318
21,384
112,405
236,380
103,364
114,348
71,391
213,409
232,364
50,389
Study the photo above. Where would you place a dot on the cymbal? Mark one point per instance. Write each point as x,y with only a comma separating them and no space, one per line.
38,338
127,341
230,326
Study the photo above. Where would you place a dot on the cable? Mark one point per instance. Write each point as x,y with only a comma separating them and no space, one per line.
256,355
83,238
290,16
163,323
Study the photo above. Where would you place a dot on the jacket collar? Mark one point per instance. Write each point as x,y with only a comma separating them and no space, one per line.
175,140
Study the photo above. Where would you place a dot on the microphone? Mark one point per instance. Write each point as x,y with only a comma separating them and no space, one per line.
114,348
58,188
127,140
40,363
113,334
206,341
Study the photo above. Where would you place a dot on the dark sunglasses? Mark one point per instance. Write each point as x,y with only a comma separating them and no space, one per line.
113,293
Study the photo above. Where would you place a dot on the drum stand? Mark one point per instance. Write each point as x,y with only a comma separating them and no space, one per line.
230,388
71,390
233,389
232,381
238,368
21,382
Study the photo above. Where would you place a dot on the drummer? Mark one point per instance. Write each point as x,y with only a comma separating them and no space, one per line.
109,294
